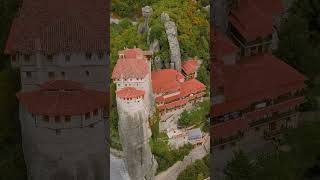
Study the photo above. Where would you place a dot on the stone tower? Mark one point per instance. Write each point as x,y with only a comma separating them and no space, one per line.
60,51
132,75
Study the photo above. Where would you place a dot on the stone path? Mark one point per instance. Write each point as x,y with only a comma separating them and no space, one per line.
197,153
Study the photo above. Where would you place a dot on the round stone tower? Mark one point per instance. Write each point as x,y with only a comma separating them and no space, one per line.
63,129
134,134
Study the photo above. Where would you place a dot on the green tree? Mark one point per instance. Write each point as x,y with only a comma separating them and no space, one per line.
239,168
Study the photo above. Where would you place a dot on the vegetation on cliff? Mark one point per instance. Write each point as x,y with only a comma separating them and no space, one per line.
165,156
12,165
199,170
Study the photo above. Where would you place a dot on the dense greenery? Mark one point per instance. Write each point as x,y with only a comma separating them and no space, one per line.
301,162
8,8
239,168
11,158
300,43
154,123
12,165
199,170
166,156
196,117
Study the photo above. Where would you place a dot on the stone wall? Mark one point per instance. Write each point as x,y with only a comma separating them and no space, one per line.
73,154
90,72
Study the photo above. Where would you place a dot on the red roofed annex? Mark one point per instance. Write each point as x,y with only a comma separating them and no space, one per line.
171,89
254,92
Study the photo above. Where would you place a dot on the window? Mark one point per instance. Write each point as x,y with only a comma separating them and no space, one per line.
28,74
87,73
88,55
87,115
50,58
57,119
100,55
14,58
67,58
51,75
58,131
67,119
91,125
45,118
63,74
27,58
95,112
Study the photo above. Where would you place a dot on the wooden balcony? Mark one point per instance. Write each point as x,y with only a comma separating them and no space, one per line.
269,134
275,117
233,138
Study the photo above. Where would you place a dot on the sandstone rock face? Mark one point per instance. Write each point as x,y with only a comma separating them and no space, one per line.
133,130
171,30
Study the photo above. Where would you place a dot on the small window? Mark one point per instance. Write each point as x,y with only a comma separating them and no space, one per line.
63,74
100,55
67,58
87,73
88,55
67,119
95,112
45,118
91,125
14,58
27,58
57,119
58,131
28,74
50,58
87,115
51,75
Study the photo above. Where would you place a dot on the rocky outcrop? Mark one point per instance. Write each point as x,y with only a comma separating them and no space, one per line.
133,130
171,30
147,12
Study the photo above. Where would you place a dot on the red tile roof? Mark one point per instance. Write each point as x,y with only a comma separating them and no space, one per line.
132,53
257,78
166,80
130,68
229,128
62,97
59,26
254,18
130,92
174,104
190,66
223,45
191,86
